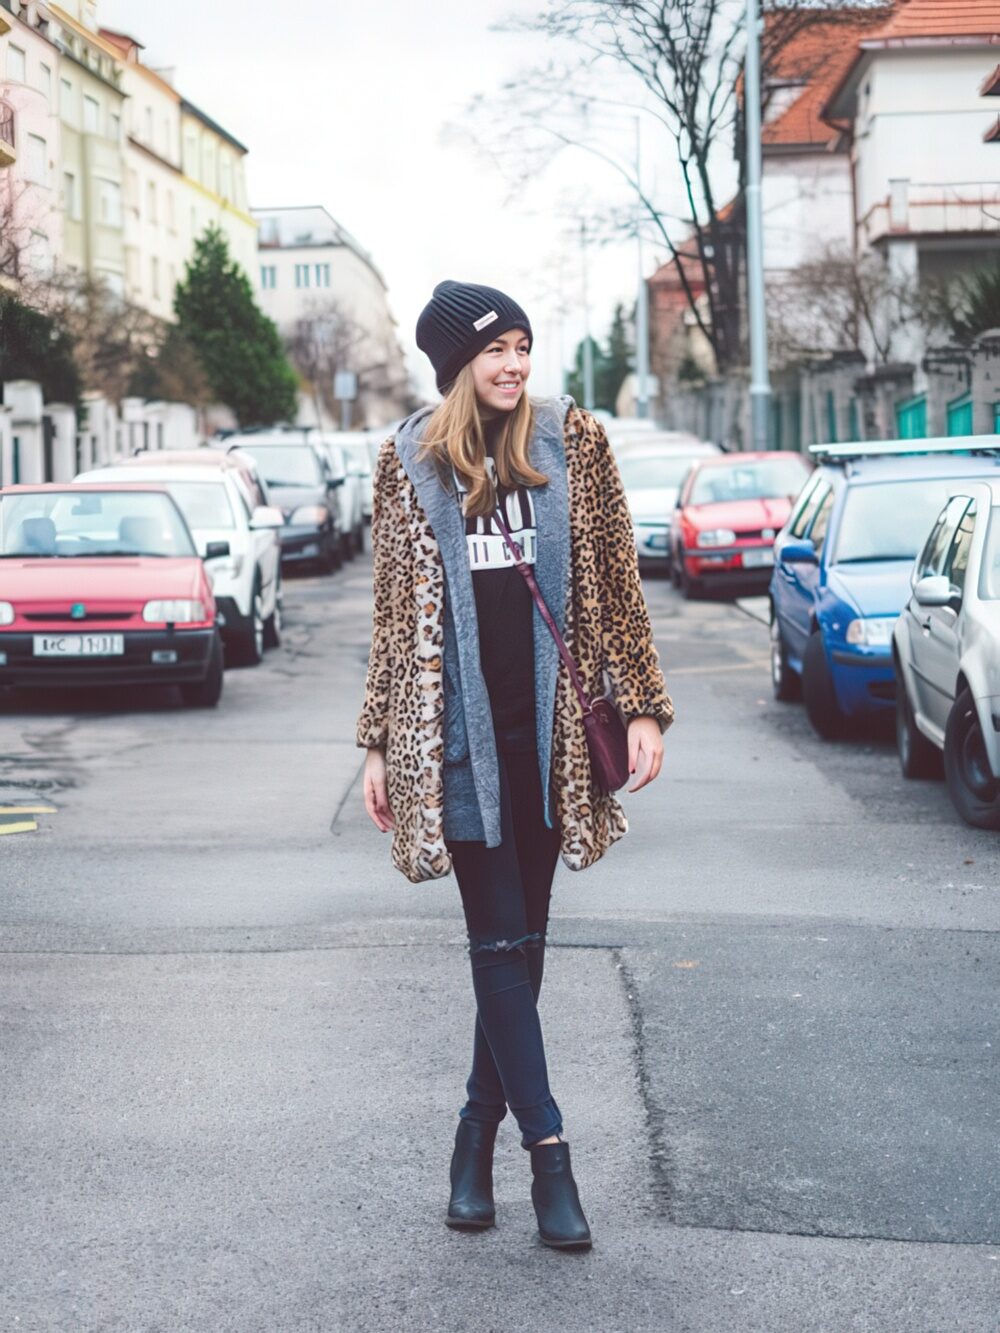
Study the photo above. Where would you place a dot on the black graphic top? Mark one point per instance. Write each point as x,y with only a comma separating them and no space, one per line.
504,607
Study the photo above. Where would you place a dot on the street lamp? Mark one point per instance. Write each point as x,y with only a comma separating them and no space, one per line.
760,384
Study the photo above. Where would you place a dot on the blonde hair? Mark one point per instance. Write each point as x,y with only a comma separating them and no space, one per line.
455,434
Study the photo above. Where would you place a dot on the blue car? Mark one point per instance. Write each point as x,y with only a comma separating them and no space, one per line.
842,568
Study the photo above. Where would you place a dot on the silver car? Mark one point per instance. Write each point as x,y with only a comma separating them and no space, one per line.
652,472
946,651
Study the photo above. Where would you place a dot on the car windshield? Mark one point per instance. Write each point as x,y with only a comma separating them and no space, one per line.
765,479
989,583
889,520
205,504
644,472
63,524
286,464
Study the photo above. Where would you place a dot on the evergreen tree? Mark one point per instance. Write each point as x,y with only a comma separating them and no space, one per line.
33,347
237,345
611,365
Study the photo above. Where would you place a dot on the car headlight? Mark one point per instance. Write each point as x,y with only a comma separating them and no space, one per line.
717,537
872,631
7,613
175,611
314,515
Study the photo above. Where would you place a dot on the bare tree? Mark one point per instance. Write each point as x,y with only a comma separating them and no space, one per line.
681,62
323,342
843,302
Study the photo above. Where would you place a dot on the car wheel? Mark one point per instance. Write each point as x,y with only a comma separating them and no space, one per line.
818,694
675,573
690,587
346,546
359,540
272,625
207,693
331,558
248,643
974,791
785,682
918,757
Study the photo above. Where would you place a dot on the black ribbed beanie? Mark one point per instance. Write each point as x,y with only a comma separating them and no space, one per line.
459,320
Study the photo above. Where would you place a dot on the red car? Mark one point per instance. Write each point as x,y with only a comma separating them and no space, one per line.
101,584
729,510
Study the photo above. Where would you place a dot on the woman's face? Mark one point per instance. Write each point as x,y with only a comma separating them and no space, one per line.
500,371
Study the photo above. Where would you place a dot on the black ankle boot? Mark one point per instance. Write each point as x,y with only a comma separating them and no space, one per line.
471,1204
561,1222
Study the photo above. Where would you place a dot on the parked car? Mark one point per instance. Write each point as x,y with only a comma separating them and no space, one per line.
247,473
842,569
652,474
247,581
728,513
946,656
102,585
300,483
347,493
357,446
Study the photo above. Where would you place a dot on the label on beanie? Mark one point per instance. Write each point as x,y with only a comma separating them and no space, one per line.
483,320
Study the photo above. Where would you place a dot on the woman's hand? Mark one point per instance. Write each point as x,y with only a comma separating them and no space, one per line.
376,791
645,750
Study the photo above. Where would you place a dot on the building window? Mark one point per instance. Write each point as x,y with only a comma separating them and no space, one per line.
302,275
322,275
16,64
172,280
91,111
911,419
66,100
147,125
151,202
45,81
171,221
155,277
226,171
960,416
71,200
36,163
114,126
190,154
208,158
268,277
109,203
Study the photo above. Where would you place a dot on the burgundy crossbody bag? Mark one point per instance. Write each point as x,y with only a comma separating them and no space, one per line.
607,740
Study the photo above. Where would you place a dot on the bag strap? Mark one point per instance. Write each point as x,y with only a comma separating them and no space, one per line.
524,569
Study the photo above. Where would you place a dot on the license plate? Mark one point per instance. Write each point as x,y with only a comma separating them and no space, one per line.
79,645
758,558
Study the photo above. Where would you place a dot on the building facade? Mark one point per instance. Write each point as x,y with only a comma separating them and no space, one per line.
311,268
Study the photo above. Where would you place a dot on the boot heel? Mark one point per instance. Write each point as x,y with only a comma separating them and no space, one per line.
561,1223
471,1206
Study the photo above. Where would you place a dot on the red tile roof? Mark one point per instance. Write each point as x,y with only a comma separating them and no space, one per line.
942,19
819,56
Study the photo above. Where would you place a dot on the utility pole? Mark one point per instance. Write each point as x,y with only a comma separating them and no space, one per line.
760,384
588,350
642,294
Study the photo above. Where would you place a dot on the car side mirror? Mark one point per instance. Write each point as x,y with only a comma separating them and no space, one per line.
334,482
934,590
216,550
267,516
798,552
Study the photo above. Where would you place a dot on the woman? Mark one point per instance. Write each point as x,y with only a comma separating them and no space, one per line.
476,753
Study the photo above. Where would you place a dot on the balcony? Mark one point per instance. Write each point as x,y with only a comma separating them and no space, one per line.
928,208
8,153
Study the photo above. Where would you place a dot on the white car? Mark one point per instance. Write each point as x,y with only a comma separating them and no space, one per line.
349,493
946,654
357,447
247,581
652,474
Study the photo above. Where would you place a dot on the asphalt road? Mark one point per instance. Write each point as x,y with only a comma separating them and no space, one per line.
234,1038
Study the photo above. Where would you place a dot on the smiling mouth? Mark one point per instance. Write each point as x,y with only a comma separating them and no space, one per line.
506,386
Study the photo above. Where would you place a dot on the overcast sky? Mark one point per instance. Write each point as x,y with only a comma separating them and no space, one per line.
346,105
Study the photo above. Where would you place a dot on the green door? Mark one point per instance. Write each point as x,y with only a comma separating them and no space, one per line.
960,416
911,419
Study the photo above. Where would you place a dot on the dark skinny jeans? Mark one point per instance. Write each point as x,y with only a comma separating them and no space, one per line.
505,895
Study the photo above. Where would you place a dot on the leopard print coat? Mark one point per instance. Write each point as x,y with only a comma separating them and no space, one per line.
607,626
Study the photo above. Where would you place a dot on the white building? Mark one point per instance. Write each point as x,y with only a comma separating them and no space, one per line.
182,172
31,214
309,265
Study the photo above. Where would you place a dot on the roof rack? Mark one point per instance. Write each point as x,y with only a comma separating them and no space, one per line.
951,444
